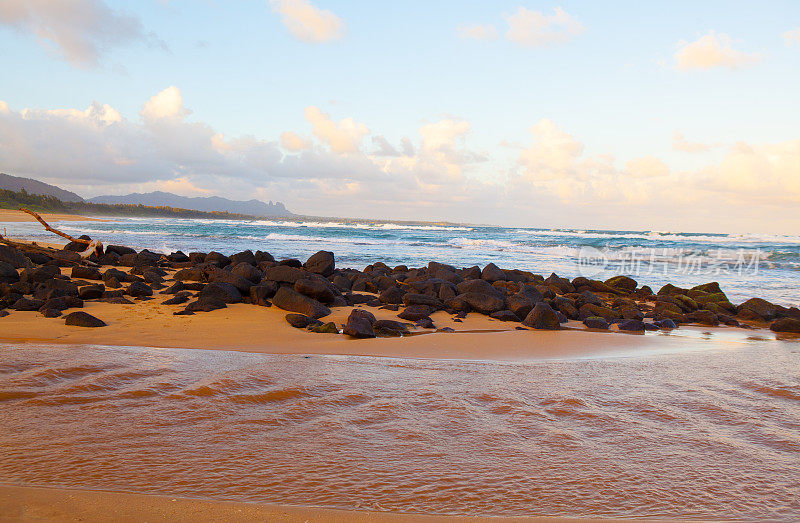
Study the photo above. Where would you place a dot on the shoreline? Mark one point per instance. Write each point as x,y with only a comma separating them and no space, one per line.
14,216
38,503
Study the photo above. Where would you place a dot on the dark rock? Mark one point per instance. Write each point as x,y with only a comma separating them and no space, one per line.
359,324
505,315
120,250
91,292
478,286
3,313
190,274
63,303
631,325
390,328
542,316
50,313
492,273
206,304
262,257
284,274
117,300
119,275
392,295
321,263
288,299
261,293
422,299
8,273
318,289
138,289
704,317
112,283
83,319
152,277
291,262
27,304
425,323
218,259
786,325
39,274
665,324
14,257
596,322
301,321
222,291
243,257
762,308
86,273
624,283
324,328
178,257
215,275
248,272
175,288
342,282
415,312
178,299
587,310
483,303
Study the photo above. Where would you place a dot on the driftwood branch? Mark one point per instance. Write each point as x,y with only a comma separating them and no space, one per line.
92,246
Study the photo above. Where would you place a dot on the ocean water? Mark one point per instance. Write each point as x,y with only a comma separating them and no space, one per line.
746,265
710,432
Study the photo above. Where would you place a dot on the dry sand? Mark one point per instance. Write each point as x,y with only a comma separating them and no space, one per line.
10,215
20,504
249,328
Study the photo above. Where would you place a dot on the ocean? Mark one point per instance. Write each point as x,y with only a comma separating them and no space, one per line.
746,265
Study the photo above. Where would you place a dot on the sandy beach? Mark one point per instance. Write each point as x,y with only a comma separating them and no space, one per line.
11,215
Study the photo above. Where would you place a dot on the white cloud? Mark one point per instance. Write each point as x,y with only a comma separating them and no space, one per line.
646,167
293,142
680,143
477,32
307,22
165,105
553,153
535,29
342,137
710,51
79,30
792,37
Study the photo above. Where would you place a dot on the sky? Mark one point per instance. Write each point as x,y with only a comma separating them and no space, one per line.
597,115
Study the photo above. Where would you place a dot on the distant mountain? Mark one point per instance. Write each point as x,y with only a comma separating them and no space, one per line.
209,203
17,184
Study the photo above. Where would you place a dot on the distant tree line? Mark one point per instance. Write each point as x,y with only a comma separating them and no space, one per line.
51,204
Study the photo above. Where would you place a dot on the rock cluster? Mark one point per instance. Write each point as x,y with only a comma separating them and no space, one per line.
202,282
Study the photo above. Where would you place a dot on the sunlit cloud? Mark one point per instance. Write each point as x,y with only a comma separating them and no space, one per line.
307,22
792,37
710,51
529,28
680,143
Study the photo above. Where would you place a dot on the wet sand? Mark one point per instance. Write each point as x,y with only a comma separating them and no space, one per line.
51,504
243,327
11,215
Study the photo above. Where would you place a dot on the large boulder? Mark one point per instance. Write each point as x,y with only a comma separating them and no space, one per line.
392,295
15,257
422,299
542,316
290,300
483,303
63,303
247,271
261,293
215,275
284,274
218,259
8,274
624,283
83,319
189,274
319,289
91,292
359,324
205,304
520,304
631,326
81,272
596,322
27,304
415,312
762,308
301,321
479,286
493,273
222,291
139,289
786,325
321,263
39,274
243,257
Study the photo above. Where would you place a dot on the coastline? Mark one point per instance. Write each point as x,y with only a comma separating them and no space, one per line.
13,216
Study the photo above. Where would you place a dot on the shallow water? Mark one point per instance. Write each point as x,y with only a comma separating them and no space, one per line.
709,433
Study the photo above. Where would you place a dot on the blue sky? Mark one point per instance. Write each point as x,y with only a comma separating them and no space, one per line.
610,82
